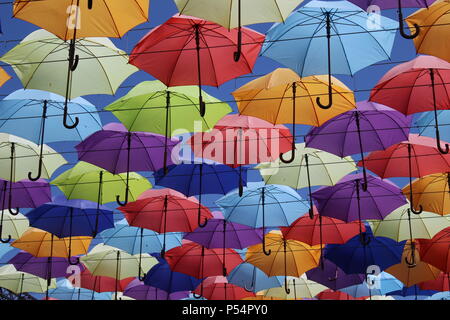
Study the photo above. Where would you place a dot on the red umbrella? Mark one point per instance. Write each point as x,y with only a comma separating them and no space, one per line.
218,288
165,210
336,295
436,251
422,84
239,140
191,51
416,157
441,283
102,283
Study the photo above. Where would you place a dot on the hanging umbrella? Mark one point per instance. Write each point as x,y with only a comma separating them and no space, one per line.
89,182
236,13
369,127
336,295
218,288
162,277
334,277
441,283
144,292
17,153
65,291
118,150
282,204
425,124
252,278
190,51
21,282
100,66
289,258
102,283
296,288
374,285
283,97
341,28
434,26
436,251
419,85
432,192
416,157
165,210
12,225
238,140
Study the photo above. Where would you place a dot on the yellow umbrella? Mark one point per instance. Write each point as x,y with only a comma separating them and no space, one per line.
288,257
434,30
20,282
40,243
4,77
297,288
12,226
432,192
72,18
411,275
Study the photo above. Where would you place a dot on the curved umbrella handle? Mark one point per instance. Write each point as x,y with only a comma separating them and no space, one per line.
267,253
66,116
74,62
38,176
401,26
286,289
311,213
330,99
249,289
330,89
119,202
141,278
411,207
90,3
2,240
290,160
438,142
411,263
72,263
200,224
13,212
198,296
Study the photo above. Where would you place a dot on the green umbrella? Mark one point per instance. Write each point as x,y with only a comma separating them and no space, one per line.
89,182
20,282
40,62
311,167
20,158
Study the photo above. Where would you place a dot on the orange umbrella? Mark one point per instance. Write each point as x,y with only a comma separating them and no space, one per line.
3,77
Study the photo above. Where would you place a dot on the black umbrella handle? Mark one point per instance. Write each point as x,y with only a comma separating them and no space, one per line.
1,231
330,88
292,158
237,54
263,200
411,193
401,24
436,121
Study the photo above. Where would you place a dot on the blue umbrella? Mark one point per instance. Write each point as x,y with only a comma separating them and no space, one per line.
162,277
378,285
337,32
282,203
412,293
426,124
65,291
38,115
252,278
356,256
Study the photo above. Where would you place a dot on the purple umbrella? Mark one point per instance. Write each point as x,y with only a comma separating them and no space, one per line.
144,292
334,277
344,200
220,233
118,150
23,194
369,127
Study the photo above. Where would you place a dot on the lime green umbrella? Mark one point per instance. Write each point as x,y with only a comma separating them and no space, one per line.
21,158
89,182
40,62
20,282
297,288
311,167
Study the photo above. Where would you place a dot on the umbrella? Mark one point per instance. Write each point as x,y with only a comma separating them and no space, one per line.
17,153
369,127
237,140
144,292
335,295
441,283
118,150
65,291
236,13
165,210
162,277
357,257
275,97
425,124
432,192
21,282
435,251
12,225
290,258
89,182
374,285
296,288
419,85
434,25
218,288
341,28
4,77
101,69
190,51
422,157
102,283
252,278
331,276
283,204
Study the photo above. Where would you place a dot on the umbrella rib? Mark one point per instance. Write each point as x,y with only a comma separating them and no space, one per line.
112,18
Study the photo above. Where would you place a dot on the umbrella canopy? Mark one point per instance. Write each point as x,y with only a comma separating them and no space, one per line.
12,226
425,124
106,18
436,251
17,153
200,262
109,147
335,295
89,182
144,292
4,77
94,75
40,244
271,98
441,283
297,288
432,192
375,285
252,278
20,282
434,25
24,108
102,283
340,202
65,291
218,288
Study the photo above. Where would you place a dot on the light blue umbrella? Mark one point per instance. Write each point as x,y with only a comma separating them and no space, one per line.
376,286
65,291
335,37
425,123
252,278
440,296
263,205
